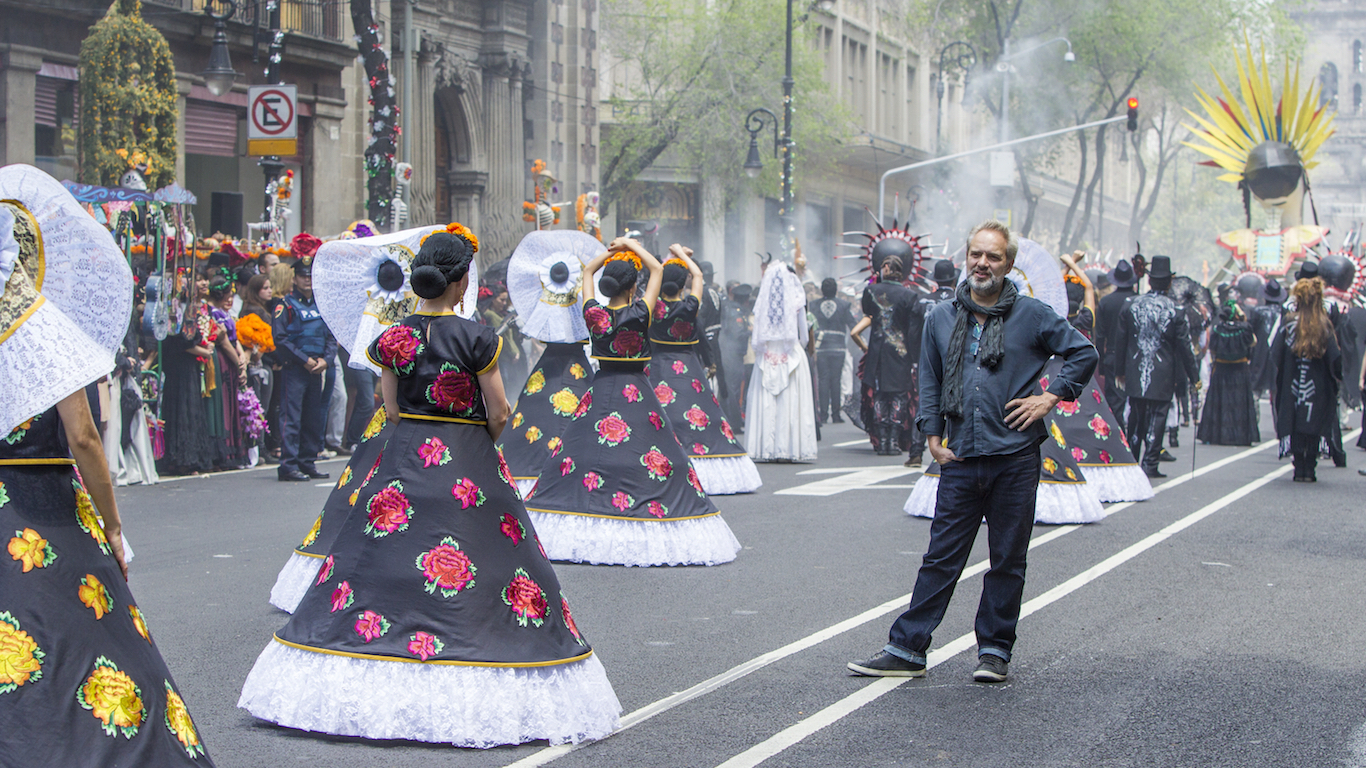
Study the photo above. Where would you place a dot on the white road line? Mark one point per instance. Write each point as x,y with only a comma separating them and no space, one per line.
848,705
854,479
639,716
848,443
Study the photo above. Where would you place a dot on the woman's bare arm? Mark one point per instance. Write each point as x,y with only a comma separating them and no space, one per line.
86,448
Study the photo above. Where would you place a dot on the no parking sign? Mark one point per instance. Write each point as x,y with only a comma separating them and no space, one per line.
272,120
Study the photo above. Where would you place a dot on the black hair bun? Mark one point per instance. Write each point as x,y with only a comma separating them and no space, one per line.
609,285
428,282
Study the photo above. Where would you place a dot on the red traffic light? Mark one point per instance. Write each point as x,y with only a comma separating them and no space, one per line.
1132,122
1133,102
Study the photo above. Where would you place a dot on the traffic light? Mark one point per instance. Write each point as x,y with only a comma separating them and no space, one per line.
1133,114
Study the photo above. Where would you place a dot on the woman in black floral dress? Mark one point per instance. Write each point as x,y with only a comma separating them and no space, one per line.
621,489
436,597
679,376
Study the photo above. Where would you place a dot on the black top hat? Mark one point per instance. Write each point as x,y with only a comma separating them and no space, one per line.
944,272
1273,292
1122,276
1160,268
1309,269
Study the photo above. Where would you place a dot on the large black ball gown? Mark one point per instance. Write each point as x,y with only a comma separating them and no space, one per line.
189,446
1230,413
301,569
81,680
436,616
680,382
621,490
547,404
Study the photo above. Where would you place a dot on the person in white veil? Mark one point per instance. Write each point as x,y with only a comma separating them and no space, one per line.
780,423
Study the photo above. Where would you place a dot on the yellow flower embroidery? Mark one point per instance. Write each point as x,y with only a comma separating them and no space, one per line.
565,402
1070,474
114,699
536,383
1057,435
139,623
577,371
94,596
312,534
345,478
553,445
87,518
179,722
533,434
21,660
1049,465
516,419
354,495
377,423
31,549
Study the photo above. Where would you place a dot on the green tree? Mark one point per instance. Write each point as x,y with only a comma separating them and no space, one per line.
685,74
128,99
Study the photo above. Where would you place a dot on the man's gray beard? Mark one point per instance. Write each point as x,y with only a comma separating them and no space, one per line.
991,287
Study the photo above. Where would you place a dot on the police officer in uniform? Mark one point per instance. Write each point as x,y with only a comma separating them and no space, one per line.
305,346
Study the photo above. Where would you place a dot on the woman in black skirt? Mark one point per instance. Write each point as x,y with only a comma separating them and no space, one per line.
1230,414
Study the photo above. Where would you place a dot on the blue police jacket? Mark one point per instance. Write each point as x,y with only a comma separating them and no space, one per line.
300,332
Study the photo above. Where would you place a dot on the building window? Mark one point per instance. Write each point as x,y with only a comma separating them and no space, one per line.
1356,57
1328,81
1356,99
556,72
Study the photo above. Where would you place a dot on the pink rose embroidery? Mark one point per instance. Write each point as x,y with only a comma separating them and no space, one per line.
598,319
541,547
727,431
1078,454
631,392
399,347
699,449
657,509
388,511
622,501
679,367
512,528
1099,427
1105,456
569,620
697,418
526,598
613,430
468,493
425,645
585,403
371,625
566,466
434,453
656,421
697,386
342,597
694,482
1043,383
665,393
1068,407
661,309
505,470
446,568
592,481
1096,394
681,330
454,390
628,343
554,444
657,464
325,572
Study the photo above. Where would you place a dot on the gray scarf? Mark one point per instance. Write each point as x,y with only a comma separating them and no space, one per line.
992,343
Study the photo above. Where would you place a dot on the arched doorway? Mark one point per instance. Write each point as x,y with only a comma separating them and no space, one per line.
458,185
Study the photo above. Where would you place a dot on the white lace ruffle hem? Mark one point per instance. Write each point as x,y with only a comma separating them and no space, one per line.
524,485
1125,482
1056,503
294,580
439,703
726,475
608,541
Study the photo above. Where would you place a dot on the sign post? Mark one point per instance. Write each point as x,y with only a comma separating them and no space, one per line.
272,121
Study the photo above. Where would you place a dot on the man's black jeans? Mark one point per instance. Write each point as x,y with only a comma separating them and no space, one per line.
1001,489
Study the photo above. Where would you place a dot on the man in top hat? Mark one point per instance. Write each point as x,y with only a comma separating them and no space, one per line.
1123,279
305,346
1152,339
1265,319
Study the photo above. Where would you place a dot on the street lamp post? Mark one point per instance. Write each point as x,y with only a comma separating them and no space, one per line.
1003,66
219,74
271,166
965,60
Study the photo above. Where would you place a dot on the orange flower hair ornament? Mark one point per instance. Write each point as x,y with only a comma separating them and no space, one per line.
454,228
627,256
679,262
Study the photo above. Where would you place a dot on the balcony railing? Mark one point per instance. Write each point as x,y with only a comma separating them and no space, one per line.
323,19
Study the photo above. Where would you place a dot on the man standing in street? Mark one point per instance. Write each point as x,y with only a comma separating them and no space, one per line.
1122,277
305,346
1152,337
833,321
709,317
981,356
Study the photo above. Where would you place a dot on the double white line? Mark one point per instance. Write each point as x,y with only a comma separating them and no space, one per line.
882,686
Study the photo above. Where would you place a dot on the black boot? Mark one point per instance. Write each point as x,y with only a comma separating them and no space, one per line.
1171,437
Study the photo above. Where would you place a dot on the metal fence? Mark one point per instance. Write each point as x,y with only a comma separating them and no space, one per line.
323,19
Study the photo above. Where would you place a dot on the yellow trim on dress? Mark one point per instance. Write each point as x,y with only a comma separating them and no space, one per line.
451,419
378,657
308,554
623,517
425,313
8,332
33,462
718,456
497,354
621,359
673,343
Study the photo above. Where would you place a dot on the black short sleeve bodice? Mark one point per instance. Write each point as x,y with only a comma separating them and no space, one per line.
621,334
675,322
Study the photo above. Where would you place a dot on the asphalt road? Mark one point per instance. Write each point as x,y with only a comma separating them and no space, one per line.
1214,625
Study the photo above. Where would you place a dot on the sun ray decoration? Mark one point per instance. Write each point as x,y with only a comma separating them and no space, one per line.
1233,126
886,241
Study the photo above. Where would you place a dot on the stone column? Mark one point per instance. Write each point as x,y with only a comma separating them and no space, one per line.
422,133
18,82
183,82
326,178
502,200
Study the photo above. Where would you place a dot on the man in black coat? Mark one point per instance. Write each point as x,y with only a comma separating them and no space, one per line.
709,318
889,368
1122,277
833,321
1152,340
733,340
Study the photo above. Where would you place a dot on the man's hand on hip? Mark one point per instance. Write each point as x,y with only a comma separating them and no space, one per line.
941,453
1025,411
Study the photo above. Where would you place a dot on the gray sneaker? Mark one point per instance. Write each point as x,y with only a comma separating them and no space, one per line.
990,669
884,664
